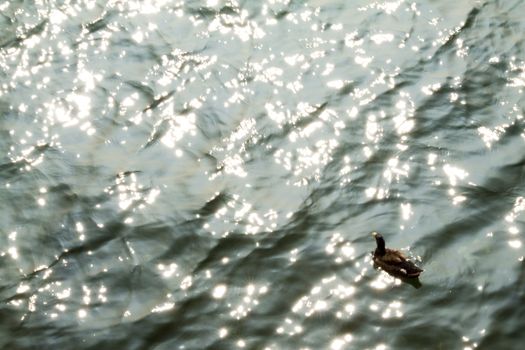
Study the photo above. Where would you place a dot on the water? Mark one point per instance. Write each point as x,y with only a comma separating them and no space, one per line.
206,175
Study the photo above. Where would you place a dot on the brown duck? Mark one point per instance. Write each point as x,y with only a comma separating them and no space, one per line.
393,261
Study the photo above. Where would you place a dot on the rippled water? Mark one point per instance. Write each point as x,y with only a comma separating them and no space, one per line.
206,174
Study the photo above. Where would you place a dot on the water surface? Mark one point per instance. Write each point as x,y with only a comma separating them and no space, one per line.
206,174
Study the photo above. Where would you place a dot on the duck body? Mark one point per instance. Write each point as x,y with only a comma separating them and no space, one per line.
393,261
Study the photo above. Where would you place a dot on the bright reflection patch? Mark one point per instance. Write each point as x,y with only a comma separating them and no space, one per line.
454,174
219,291
163,307
516,243
382,38
341,342
384,280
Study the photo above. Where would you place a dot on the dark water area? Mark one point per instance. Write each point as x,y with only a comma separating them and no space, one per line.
206,174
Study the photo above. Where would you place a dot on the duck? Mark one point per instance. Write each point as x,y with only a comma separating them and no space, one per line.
393,261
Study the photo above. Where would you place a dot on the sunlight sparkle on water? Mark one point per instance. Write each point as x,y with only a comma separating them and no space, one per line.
22,288
219,291
373,131
384,280
454,174
513,230
163,307
432,158
341,342
516,243
489,136
167,270
13,252
382,38
406,211
404,123
223,332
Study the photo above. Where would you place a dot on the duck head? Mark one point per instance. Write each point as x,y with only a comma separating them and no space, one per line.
380,241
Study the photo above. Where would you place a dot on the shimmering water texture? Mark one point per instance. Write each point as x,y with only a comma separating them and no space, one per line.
206,174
